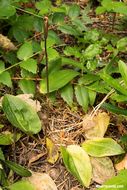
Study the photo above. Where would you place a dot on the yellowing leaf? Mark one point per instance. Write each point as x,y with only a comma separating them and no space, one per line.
122,165
101,147
52,151
42,181
96,126
102,169
78,163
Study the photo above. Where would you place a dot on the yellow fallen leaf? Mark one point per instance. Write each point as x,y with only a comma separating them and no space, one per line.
122,165
96,126
53,153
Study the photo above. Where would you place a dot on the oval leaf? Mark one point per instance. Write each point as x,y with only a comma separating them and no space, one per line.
29,65
82,97
7,138
21,114
67,94
25,51
78,163
102,147
57,80
21,185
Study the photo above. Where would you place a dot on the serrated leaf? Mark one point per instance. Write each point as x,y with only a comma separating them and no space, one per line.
74,11
20,170
29,65
101,147
25,51
57,80
102,169
123,70
82,97
27,86
91,51
118,182
67,29
21,185
21,114
7,138
67,94
78,163
5,79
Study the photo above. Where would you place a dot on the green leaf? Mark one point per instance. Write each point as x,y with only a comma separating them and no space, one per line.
67,29
67,94
123,70
72,51
67,61
122,44
7,138
118,182
21,185
6,9
29,65
2,66
78,163
20,170
74,11
114,109
92,96
57,80
5,79
44,6
88,79
1,155
82,96
91,51
27,86
21,114
25,51
113,83
101,147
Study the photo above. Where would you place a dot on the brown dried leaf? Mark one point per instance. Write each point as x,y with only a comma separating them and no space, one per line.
122,165
96,126
42,181
35,157
102,169
6,43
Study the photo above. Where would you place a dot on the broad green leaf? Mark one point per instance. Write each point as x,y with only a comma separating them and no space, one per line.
54,66
6,9
19,34
21,185
67,94
74,11
123,70
91,51
72,51
113,83
20,170
114,109
101,147
5,79
25,51
82,96
7,138
67,29
91,36
78,163
58,18
92,96
44,6
29,65
57,80
79,25
21,114
2,66
122,44
118,182
118,97
27,86
102,169
88,79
